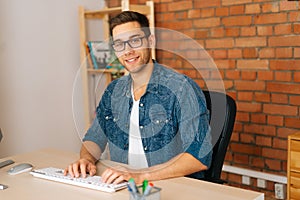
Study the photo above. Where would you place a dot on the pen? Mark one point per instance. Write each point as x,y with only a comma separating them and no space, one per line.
133,186
145,184
129,188
133,194
148,189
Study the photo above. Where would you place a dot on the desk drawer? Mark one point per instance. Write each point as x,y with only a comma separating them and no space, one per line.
295,145
295,165
295,185
295,180
295,155
294,193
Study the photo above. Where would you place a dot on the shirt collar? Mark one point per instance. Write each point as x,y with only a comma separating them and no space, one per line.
153,85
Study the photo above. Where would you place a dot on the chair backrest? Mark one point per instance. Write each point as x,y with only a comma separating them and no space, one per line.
222,109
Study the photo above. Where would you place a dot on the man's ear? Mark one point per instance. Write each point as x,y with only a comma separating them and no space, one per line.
152,41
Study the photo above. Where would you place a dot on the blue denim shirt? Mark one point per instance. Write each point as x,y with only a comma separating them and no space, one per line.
173,119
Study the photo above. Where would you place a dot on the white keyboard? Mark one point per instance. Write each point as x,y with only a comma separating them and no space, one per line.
92,182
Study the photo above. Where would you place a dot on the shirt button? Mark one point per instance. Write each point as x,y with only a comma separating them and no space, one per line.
141,127
114,119
145,148
141,104
106,117
157,121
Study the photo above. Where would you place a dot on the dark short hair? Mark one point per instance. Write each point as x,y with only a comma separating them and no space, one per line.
130,16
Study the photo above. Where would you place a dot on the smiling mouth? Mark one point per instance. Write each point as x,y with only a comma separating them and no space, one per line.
131,60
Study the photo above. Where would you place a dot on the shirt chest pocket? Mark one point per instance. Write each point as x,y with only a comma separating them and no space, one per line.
161,122
114,122
161,130
159,118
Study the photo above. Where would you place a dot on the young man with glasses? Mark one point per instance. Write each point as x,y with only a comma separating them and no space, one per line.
155,119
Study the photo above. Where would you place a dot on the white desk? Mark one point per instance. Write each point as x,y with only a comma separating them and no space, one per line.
26,187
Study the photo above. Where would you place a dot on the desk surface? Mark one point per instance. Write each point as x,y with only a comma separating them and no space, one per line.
26,187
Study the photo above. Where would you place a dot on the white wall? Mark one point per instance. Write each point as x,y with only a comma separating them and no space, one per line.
39,58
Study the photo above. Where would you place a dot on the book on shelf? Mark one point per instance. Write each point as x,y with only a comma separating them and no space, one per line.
99,53
88,57
101,56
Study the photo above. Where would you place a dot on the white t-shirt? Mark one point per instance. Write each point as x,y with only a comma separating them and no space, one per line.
136,154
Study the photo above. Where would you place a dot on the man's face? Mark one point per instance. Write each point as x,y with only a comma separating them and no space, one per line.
136,52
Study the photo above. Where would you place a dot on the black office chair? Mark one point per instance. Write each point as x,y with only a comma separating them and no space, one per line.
222,109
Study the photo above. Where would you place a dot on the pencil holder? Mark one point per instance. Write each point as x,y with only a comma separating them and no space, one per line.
153,195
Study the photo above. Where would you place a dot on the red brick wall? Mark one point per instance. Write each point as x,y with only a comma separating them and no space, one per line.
256,46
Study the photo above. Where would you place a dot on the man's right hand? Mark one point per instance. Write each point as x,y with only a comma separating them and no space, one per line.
82,166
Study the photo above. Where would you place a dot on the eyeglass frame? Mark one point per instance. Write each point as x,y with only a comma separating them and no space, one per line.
128,42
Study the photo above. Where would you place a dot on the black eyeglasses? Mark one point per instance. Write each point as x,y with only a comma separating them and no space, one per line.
133,43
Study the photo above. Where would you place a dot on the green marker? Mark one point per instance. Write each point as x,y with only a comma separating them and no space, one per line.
145,184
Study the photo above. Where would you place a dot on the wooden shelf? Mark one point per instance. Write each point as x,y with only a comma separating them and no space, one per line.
100,14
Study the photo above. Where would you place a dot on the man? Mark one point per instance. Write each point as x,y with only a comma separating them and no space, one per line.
155,120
